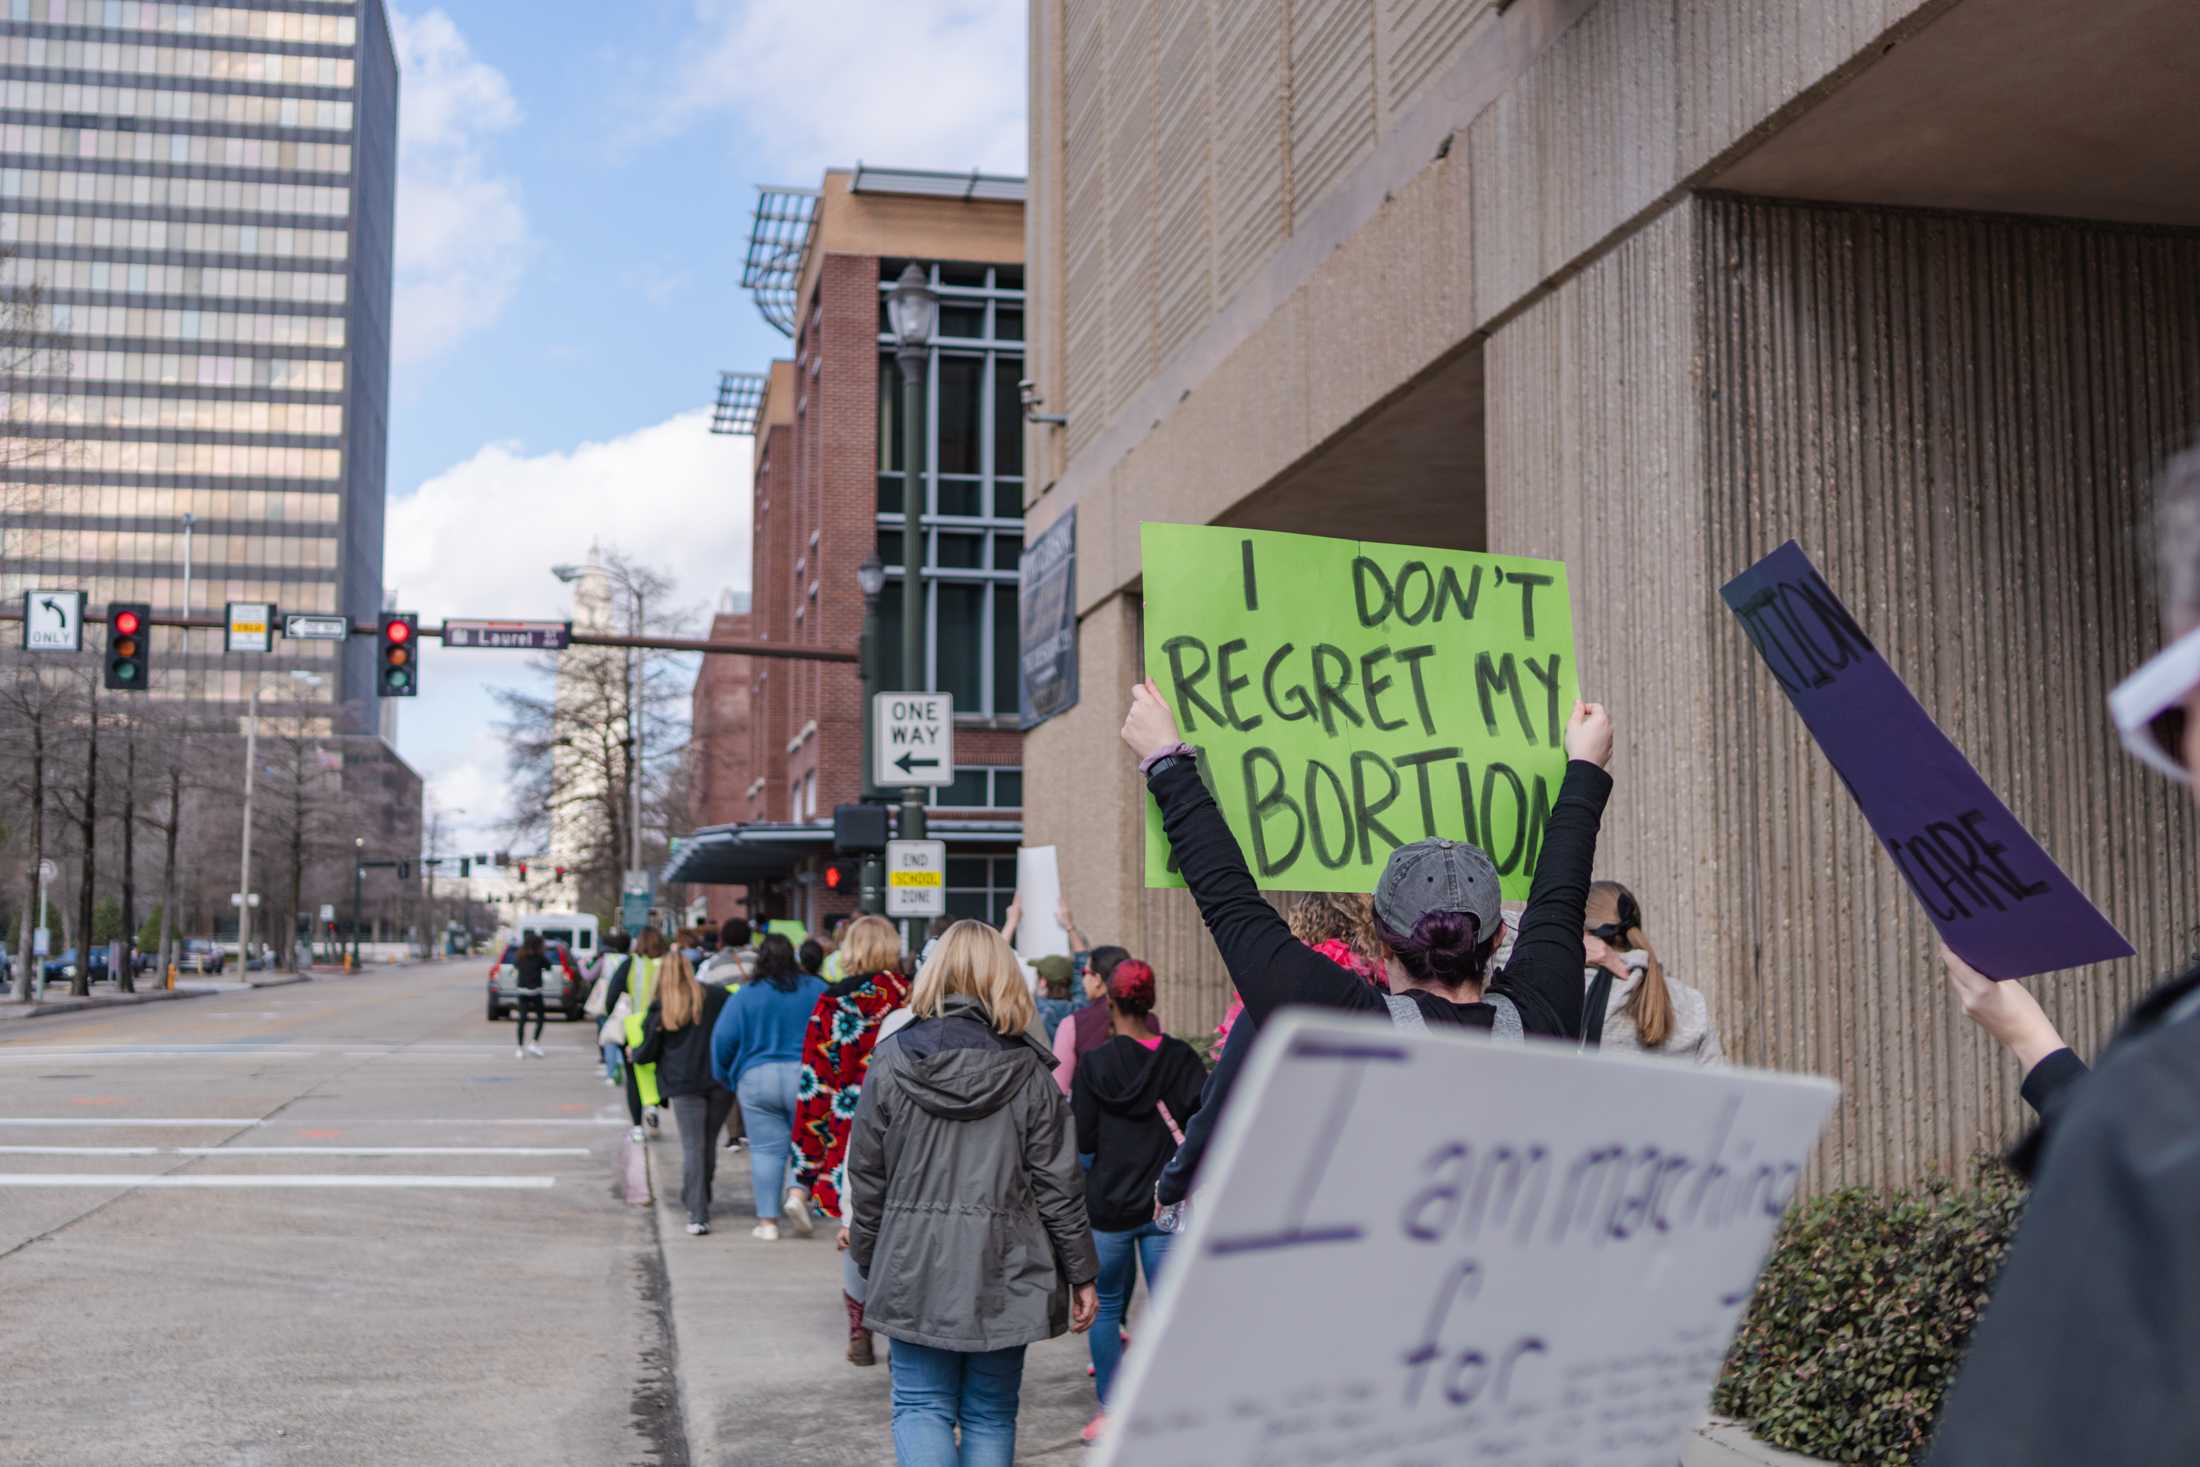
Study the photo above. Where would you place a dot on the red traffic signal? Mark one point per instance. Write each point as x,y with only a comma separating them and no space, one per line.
399,673
523,870
560,873
129,647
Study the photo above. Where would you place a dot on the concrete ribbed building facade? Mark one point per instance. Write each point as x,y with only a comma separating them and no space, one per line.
1651,286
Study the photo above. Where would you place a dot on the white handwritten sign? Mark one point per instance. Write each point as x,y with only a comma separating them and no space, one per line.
1420,1249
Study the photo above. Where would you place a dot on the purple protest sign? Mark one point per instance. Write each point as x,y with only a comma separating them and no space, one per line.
1998,899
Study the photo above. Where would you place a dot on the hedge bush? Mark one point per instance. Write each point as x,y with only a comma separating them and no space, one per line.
1862,1313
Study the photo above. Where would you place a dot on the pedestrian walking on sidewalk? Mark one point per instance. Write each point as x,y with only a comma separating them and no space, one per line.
603,998
2085,1352
836,1053
969,1210
1131,1100
1087,1027
528,969
756,1052
676,1035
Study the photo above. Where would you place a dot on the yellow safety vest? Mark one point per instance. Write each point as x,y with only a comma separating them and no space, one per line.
641,983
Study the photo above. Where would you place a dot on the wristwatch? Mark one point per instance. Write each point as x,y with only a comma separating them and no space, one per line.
1182,753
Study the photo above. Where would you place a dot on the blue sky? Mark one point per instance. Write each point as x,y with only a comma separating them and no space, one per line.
575,184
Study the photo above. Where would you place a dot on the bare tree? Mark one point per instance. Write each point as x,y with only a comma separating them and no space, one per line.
569,752
302,776
39,706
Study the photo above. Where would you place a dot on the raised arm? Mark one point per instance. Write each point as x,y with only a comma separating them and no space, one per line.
2007,1011
1267,964
1548,956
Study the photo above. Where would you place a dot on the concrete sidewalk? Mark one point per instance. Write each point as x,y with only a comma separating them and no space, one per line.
759,1331
760,1335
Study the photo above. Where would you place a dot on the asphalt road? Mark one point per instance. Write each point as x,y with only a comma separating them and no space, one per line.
331,1223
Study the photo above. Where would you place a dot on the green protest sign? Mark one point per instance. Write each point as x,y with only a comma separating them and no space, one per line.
1347,697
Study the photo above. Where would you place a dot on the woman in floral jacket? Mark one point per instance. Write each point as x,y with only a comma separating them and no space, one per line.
835,1053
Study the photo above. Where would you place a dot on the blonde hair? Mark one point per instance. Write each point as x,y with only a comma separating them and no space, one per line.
972,961
1317,916
1651,1004
680,996
870,945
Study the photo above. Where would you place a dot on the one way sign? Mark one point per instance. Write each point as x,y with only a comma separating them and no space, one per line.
913,739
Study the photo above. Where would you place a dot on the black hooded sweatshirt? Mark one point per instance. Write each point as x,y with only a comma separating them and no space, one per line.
1115,1096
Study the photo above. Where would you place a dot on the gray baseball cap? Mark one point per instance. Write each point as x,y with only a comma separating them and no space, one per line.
1439,876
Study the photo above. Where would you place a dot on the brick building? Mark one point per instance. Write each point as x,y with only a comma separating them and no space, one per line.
778,743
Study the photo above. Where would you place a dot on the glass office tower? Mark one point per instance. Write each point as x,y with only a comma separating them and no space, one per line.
204,195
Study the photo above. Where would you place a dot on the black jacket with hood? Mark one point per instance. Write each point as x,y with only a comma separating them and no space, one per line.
968,1213
1116,1095
682,1056
2085,1352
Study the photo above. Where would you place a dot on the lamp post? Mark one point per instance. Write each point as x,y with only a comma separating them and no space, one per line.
244,864
871,580
569,574
358,882
913,307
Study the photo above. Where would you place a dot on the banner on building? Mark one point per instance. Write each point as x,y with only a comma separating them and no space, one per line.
1998,898
1046,608
1435,1248
1347,697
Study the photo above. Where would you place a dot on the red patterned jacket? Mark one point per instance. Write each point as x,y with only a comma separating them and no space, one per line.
835,1052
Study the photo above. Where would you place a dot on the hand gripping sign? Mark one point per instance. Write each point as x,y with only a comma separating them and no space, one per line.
1999,900
1426,1248
1348,697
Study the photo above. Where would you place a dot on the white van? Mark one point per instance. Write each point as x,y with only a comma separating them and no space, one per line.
577,930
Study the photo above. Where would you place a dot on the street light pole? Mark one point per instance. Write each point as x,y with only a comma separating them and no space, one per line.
636,677
913,308
871,580
358,884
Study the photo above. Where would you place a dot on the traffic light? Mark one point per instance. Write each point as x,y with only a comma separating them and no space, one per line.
465,867
129,646
561,873
404,870
523,870
400,675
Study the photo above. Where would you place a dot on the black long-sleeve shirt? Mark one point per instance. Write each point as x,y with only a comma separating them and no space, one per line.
1271,968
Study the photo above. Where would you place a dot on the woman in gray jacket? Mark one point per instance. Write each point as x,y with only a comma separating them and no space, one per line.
1648,1012
968,1219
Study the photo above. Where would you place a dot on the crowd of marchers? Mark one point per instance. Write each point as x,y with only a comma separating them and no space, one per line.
1002,1147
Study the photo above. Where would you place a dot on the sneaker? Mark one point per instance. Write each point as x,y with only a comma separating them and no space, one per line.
766,1231
696,1230
535,1050
519,1054
611,1082
637,1134
797,1212
1094,1428
651,1117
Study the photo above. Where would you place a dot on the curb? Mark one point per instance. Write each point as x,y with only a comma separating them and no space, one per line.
1723,1443
283,982
16,1011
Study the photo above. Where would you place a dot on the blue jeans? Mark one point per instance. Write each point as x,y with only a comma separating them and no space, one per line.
1120,1255
614,1062
766,1093
935,1390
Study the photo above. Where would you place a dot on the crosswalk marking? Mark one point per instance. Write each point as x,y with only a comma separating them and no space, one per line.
294,1151
273,1179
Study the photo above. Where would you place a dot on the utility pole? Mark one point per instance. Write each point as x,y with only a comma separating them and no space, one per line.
358,884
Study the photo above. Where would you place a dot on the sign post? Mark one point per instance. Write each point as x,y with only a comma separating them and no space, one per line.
1510,1253
1348,697
53,621
913,740
916,878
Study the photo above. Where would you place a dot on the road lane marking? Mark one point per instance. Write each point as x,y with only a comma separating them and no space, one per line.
294,1151
272,1179
9,1123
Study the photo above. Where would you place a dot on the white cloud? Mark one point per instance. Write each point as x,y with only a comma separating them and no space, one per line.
479,539
462,234
912,83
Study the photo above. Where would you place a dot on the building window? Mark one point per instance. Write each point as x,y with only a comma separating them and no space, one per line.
981,787
981,887
974,485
